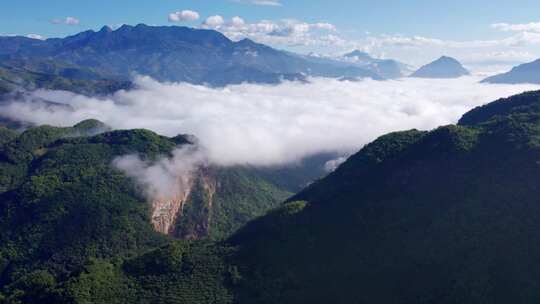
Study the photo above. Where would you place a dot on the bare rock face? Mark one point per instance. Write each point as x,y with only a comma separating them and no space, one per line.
166,210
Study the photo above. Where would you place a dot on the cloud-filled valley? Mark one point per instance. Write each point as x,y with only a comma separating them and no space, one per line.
270,125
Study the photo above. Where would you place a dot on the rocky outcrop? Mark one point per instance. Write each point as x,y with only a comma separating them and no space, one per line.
186,214
166,210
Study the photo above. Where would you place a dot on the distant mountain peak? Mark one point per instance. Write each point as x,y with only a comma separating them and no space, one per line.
124,27
445,58
247,42
444,67
106,29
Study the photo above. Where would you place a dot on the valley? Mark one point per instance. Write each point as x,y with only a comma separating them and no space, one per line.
223,159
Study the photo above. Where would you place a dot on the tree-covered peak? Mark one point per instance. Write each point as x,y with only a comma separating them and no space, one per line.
91,126
528,103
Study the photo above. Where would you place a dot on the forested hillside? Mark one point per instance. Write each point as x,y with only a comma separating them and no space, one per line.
443,216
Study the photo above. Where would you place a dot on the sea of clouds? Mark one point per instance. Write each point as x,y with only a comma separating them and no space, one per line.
271,124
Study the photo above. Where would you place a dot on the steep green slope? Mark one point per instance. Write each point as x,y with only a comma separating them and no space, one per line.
66,205
447,216
69,218
245,195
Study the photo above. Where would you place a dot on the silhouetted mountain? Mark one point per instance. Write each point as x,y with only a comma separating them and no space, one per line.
444,67
174,54
524,73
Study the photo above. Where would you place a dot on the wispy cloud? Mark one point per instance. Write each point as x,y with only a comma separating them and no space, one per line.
417,50
261,2
517,27
66,21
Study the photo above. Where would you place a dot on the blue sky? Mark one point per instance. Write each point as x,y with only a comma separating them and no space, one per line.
434,26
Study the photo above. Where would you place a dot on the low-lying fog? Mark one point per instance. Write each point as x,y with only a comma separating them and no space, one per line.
267,125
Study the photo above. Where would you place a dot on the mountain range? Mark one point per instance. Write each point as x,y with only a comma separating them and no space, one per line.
172,53
104,61
52,75
449,215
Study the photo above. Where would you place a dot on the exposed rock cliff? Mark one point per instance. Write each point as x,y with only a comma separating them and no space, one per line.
214,202
196,188
166,210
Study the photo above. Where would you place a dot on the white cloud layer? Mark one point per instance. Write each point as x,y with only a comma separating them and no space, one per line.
266,125
183,16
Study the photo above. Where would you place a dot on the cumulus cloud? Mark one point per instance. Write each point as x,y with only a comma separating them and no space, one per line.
522,44
271,125
237,22
286,32
182,16
66,21
213,22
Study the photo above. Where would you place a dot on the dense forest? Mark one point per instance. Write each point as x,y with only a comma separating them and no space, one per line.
443,216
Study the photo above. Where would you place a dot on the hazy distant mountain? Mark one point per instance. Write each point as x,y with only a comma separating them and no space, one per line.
18,75
444,67
387,68
174,54
524,73
359,55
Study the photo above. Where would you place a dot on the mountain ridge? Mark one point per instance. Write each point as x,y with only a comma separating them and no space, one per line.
175,53
430,216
